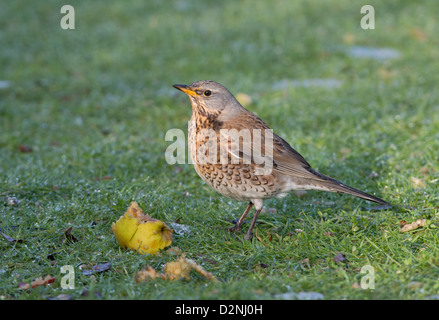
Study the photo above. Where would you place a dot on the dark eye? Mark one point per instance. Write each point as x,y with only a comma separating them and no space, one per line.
207,93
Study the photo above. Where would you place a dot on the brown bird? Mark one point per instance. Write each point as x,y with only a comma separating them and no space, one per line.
227,143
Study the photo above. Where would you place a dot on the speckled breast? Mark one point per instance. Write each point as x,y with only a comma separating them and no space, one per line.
236,181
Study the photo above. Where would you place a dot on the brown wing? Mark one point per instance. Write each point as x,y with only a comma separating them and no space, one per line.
284,158
288,161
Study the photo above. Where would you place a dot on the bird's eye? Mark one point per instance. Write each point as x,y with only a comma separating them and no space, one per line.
207,93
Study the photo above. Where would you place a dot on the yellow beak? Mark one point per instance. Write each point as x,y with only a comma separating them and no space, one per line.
186,89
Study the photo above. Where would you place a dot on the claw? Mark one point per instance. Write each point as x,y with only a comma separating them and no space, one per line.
234,229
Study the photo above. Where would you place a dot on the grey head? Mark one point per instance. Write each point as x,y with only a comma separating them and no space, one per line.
210,96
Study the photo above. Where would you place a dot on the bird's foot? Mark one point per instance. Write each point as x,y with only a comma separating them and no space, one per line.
248,236
237,227
234,229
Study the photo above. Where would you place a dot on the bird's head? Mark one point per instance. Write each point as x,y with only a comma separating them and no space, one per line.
210,97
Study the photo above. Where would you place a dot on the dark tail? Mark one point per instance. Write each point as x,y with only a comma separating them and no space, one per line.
337,186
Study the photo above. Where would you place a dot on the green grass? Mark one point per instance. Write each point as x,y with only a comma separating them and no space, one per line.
97,101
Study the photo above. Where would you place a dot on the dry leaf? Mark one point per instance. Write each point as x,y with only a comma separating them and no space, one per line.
97,268
418,34
24,148
37,282
175,270
70,238
103,178
417,183
305,262
178,269
411,226
10,239
147,274
348,38
339,257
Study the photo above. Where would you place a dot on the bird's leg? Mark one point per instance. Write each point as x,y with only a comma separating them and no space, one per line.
249,235
237,226
258,208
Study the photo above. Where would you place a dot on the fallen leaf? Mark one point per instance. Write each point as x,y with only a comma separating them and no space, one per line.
37,282
178,269
175,270
418,34
10,239
24,148
23,286
97,269
356,285
414,225
339,257
178,219
103,178
148,273
417,183
348,38
42,282
305,263
70,238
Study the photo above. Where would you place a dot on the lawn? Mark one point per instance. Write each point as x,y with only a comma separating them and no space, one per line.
83,118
